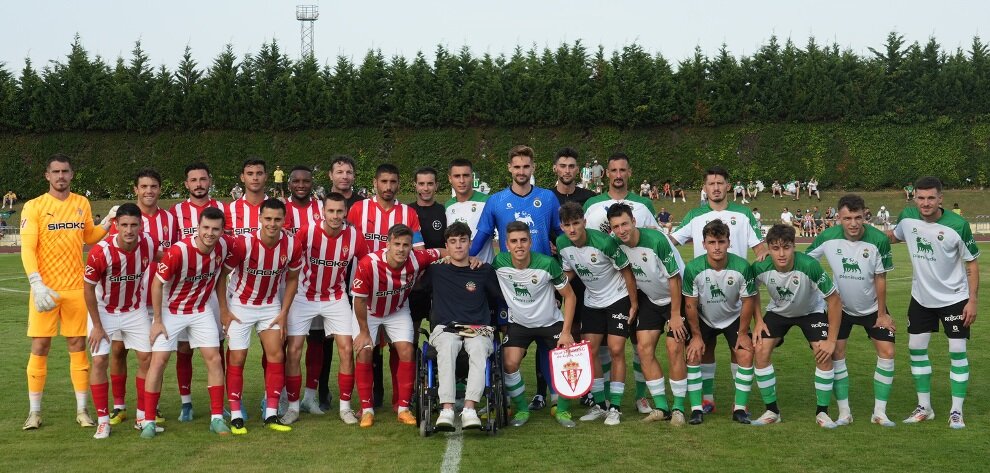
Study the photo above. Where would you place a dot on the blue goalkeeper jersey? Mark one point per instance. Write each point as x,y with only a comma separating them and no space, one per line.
539,209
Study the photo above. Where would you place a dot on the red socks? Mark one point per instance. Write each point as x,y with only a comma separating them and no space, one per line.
314,364
119,384
393,367
139,386
183,372
292,386
407,371
216,400
235,387
101,393
151,404
345,383
274,380
365,381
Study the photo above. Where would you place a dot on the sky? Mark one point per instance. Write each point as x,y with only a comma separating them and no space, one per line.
43,31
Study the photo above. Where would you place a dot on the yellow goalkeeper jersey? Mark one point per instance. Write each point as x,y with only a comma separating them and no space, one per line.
52,236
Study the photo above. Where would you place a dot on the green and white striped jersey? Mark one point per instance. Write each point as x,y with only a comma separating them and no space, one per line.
744,230
469,212
597,263
937,252
596,208
719,292
855,265
529,292
798,292
653,262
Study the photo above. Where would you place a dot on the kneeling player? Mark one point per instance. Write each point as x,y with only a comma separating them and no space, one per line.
610,302
180,293
657,269
116,276
860,257
258,264
719,291
461,297
527,281
799,289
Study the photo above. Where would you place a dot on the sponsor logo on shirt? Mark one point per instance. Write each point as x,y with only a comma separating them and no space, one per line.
125,277
66,226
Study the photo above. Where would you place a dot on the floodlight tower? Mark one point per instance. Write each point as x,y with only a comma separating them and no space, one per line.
307,15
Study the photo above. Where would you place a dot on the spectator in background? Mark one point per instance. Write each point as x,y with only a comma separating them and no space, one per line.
786,217
816,215
908,192
739,190
883,218
757,216
644,189
808,224
704,197
597,171
236,192
776,190
9,199
279,175
654,193
830,215
667,191
679,191
752,189
813,189
586,176
955,208
868,215
663,218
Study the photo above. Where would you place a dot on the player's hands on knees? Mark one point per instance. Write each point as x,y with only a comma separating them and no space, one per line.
96,336
565,340
361,342
279,324
744,342
226,317
824,350
158,329
760,332
969,313
695,349
884,320
677,327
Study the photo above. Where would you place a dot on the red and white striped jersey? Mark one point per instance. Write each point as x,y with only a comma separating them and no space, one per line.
121,277
257,271
162,226
190,276
387,289
187,215
242,217
302,216
373,222
326,259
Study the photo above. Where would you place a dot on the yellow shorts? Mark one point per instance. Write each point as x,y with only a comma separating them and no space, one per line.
70,312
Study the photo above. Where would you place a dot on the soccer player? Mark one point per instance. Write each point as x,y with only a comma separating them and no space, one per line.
161,225
373,217
800,291
54,228
242,216
719,291
944,288
433,221
328,249
180,293
461,297
859,255
565,167
302,208
527,281
342,179
467,204
258,264
656,267
381,285
610,302
619,172
116,276
198,182
745,233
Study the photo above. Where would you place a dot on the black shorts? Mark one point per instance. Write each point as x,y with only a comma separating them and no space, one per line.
710,334
923,319
522,337
611,320
814,325
650,316
867,322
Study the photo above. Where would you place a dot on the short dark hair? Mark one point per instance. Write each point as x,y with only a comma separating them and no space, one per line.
566,152
386,168
619,156
928,182
521,150
271,204
147,172
457,229
212,213
336,197
460,162
618,209
129,209
716,228
425,170
516,226
58,158
342,159
717,171
852,202
199,165
780,233
399,230
300,167
254,162
570,212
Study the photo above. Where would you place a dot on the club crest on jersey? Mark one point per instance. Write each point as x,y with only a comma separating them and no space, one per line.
594,258
866,254
838,251
732,221
217,259
79,212
471,286
508,205
283,259
537,203
474,207
534,280
144,262
344,250
941,236
795,280
437,225
643,256
730,281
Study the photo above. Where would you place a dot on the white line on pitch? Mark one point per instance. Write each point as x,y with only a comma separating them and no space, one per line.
452,456
13,290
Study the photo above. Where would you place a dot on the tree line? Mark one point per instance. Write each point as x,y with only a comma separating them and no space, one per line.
570,86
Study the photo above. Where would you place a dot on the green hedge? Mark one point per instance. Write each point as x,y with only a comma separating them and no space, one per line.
853,156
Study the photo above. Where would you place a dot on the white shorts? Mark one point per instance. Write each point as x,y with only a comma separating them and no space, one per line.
200,328
398,326
333,316
133,328
214,305
258,317
118,336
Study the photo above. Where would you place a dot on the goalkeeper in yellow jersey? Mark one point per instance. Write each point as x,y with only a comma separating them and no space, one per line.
54,228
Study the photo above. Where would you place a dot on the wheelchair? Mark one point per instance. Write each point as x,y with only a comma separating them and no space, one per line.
492,407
